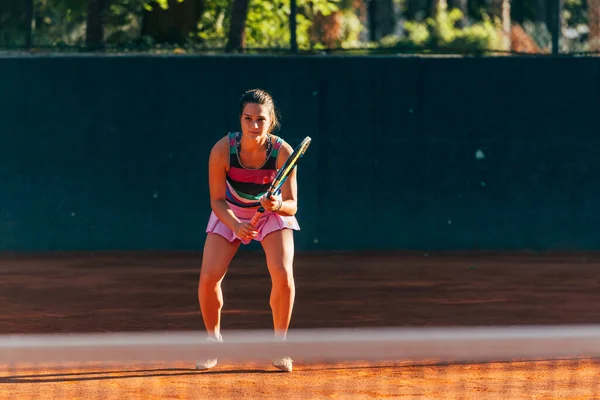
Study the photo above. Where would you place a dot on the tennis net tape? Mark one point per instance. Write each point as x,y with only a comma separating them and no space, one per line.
439,363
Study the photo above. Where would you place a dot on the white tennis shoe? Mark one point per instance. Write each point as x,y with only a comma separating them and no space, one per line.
210,362
283,364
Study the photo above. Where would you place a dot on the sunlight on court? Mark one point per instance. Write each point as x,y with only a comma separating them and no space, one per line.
535,380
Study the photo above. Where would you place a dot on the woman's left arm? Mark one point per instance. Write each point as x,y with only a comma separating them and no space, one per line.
289,190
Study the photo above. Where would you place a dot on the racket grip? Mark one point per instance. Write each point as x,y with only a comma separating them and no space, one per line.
256,216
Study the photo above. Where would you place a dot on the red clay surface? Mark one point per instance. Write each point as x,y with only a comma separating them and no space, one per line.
134,292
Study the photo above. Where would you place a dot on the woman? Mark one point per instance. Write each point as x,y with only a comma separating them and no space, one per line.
241,167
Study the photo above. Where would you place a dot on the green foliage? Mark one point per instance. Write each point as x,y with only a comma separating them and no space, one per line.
574,32
575,20
575,12
60,23
267,24
352,28
12,15
125,20
441,32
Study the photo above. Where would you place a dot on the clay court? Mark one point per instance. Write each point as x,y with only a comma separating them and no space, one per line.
104,292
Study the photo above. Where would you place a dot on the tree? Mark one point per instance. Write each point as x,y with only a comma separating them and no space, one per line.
437,5
540,11
320,23
15,20
594,24
267,23
174,21
337,24
501,9
236,37
96,20
417,10
382,20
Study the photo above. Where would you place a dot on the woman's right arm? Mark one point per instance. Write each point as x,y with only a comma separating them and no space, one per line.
217,164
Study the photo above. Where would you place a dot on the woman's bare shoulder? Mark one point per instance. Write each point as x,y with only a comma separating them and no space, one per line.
221,147
219,154
285,148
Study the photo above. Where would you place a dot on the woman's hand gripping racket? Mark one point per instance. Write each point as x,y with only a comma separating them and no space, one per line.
283,174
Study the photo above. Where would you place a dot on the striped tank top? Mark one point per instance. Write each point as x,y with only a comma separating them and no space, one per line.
246,185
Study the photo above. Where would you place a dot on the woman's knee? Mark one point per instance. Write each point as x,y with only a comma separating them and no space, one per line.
216,257
209,280
209,290
282,274
211,276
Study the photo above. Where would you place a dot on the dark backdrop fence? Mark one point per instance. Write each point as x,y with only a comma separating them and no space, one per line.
110,153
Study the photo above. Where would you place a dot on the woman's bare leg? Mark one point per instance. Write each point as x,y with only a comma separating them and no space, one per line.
217,255
279,251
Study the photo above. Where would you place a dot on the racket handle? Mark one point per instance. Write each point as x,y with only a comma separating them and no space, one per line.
257,215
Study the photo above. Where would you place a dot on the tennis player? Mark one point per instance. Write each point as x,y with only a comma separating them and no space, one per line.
241,167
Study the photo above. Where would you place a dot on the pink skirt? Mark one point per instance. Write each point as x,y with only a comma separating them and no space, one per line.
268,222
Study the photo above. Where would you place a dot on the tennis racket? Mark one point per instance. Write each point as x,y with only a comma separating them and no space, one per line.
283,174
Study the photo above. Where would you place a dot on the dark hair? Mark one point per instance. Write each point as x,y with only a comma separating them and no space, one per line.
258,96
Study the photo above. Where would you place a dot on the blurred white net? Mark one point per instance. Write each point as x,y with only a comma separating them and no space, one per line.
478,362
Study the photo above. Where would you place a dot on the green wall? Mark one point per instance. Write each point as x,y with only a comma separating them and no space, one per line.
110,153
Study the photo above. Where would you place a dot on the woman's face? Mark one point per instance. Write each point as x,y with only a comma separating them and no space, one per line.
255,120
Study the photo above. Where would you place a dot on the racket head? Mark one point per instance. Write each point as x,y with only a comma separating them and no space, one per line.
289,165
